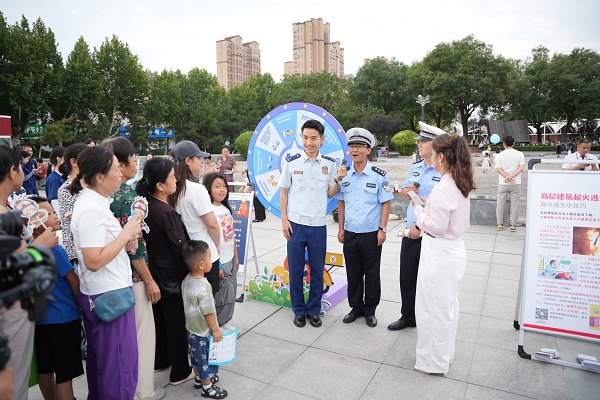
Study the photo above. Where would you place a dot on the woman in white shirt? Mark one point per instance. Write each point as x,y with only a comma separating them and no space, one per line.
444,219
192,201
101,244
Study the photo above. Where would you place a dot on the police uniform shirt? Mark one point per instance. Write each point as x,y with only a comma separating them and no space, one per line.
427,177
308,182
363,195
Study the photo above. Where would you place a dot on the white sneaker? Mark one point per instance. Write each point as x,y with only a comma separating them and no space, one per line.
189,378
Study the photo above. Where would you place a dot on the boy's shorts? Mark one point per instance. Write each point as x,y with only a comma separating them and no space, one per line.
199,345
58,350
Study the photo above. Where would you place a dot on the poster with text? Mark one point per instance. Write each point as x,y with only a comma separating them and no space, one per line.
562,293
277,136
241,207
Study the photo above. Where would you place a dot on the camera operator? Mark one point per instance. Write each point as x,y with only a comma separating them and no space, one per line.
14,323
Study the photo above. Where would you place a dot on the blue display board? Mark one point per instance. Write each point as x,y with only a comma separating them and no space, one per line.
277,136
241,205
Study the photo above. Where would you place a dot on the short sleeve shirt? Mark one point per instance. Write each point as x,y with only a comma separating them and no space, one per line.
94,225
227,165
121,203
509,160
198,301
227,232
308,182
427,177
192,205
572,159
363,195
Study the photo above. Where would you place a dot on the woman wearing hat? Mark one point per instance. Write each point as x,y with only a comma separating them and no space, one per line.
444,219
192,201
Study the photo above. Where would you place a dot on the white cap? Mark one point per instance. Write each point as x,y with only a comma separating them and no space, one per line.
429,132
360,135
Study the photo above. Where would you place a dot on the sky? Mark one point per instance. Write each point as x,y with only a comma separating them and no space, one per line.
180,34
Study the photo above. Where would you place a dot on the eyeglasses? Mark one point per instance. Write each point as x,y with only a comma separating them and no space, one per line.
357,146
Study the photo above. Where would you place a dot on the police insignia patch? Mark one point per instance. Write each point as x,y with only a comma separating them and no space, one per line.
386,186
325,170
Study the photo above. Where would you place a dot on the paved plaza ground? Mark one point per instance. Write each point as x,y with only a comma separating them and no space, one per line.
276,360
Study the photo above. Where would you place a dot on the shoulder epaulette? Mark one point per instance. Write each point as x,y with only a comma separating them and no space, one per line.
292,158
378,170
421,160
327,158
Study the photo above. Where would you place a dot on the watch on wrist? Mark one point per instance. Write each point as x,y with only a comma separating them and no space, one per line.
383,229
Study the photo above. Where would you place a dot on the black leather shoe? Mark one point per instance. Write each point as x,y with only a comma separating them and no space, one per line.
299,321
350,317
400,324
371,321
315,320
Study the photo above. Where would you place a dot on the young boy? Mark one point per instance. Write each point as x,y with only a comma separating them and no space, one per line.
201,316
58,335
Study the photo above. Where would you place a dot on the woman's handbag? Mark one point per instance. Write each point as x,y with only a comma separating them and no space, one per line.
112,304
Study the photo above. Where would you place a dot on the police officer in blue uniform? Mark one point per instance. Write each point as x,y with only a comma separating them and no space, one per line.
422,177
307,181
363,211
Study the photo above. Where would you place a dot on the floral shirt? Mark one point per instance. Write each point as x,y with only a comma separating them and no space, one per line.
120,206
66,201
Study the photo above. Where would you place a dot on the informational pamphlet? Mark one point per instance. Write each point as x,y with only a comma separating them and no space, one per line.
223,352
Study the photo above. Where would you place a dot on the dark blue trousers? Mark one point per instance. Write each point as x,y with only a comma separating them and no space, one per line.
313,239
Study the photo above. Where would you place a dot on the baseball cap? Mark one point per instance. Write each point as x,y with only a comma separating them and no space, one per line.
186,149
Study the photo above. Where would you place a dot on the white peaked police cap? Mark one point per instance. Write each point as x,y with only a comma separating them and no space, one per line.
429,132
361,136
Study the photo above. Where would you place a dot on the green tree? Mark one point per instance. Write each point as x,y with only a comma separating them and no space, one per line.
123,81
81,85
321,89
383,128
243,142
467,75
205,102
31,69
439,111
574,86
59,132
165,105
381,84
530,87
251,101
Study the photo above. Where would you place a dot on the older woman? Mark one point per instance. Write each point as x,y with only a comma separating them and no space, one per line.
100,241
166,237
226,164
444,219
145,290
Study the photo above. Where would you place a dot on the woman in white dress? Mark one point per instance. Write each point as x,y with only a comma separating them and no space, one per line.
444,219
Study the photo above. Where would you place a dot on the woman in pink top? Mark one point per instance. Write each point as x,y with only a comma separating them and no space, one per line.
444,219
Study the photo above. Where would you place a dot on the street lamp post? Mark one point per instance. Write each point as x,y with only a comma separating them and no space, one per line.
422,100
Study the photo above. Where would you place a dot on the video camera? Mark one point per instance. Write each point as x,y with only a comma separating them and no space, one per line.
27,276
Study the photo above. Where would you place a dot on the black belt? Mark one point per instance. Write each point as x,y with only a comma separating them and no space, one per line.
430,235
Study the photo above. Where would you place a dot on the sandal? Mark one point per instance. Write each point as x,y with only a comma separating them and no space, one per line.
214,392
198,382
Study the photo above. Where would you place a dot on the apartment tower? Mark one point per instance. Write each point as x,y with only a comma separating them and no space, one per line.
314,51
236,61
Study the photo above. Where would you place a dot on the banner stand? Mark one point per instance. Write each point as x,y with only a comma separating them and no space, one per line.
242,206
558,283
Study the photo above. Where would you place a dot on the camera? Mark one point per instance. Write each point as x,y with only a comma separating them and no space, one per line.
27,276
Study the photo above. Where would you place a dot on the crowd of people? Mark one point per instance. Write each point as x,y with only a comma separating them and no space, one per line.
165,248
135,244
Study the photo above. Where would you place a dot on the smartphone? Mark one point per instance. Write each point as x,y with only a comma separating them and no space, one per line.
415,197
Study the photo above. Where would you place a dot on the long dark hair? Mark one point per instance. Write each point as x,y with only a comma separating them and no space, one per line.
456,151
72,152
208,181
91,162
182,174
156,171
